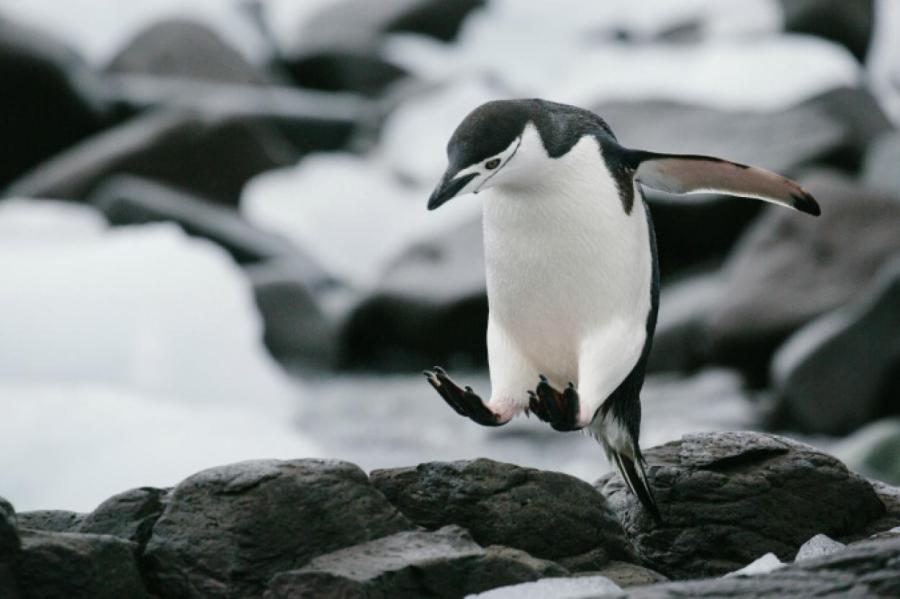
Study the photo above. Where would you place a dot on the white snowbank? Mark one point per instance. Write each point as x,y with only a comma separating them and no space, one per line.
70,446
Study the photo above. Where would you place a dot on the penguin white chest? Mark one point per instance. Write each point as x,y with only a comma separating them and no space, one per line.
569,271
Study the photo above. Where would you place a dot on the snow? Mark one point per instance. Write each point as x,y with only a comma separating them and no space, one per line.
577,587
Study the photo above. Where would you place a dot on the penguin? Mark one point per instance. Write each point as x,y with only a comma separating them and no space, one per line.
571,265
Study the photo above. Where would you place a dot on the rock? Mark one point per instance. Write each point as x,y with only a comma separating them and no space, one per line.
49,99
582,587
129,200
74,566
880,165
847,23
728,498
9,538
627,575
209,154
292,294
430,307
50,520
503,504
869,569
344,71
226,531
890,498
444,563
789,268
187,49
839,372
129,515
818,546
873,450
763,565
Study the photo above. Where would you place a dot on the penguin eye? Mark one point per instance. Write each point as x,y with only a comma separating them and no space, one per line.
492,164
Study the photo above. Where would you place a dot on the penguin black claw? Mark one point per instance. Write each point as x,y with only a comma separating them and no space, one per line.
559,409
464,401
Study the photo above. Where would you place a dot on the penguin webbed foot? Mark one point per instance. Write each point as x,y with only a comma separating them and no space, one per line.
464,401
560,409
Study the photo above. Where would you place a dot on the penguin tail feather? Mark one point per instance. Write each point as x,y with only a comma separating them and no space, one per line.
635,477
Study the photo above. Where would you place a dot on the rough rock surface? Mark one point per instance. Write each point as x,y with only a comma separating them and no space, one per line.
548,514
75,566
129,515
839,372
444,563
50,520
789,268
626,574
868,569
818,546
728,498
227,530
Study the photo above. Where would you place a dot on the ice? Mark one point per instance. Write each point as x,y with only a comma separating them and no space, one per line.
70,446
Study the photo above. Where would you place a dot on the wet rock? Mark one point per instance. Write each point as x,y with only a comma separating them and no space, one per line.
50,520
129,200
129,515
847,23
818,546
838,372
556,588
444,563
226,531
789,268
209,154
869,569
49,99
627,575
74,566
880,166
430,307
507,505
728,498
186,49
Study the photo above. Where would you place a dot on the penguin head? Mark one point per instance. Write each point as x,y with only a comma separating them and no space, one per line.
496,144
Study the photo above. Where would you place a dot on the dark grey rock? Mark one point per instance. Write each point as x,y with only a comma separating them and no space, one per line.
129,515
839,371
50,520
430,307
55,565
728,498
880,166
129,200
226,531
292,294
444,563
209,154
680,343
626,574
188,49
581,587
868,569
49,99
890,498
9,546
847,23
789,268
548,514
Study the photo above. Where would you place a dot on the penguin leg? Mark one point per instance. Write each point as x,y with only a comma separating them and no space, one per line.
463,400
560,409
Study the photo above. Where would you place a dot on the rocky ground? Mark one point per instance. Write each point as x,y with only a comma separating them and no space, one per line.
744,514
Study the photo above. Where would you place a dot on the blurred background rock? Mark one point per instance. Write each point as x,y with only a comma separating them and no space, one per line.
214,245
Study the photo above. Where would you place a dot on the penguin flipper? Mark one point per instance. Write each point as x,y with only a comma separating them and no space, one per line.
635,477
686,173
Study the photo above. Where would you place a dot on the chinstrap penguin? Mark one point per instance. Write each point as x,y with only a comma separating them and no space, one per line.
571,265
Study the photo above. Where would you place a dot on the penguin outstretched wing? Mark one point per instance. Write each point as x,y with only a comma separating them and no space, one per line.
686,173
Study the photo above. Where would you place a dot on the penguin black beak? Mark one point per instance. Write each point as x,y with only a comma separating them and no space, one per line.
447,189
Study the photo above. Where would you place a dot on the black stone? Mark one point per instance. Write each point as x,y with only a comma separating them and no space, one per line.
129,515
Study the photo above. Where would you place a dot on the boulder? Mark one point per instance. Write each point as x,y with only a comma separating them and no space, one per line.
50,520
581,587
49,99
847,23
789,268
129,200
818,546
430,307
226,531
74,566
207,153
839,372
443,563
880,165
868,569
9,538
890,497
185,49
626,574
548,514
129,515
728,498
